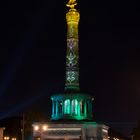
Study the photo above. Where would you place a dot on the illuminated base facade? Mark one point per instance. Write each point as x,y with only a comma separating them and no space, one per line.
72,106
70,131
71,119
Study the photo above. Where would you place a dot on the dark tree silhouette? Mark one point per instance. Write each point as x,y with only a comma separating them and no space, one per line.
136,132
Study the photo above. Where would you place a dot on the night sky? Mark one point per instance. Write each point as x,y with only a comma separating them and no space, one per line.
33,49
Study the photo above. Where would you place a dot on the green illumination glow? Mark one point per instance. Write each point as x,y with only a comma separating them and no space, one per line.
72,106
85,108
75,107
67,106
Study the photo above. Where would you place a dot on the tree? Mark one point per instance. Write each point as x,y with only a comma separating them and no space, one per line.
30,117
136,132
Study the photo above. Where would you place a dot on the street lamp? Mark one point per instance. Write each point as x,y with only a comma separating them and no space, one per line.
36,127
44,127
38,131
6,138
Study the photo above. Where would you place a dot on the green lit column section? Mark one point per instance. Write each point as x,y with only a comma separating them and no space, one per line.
62,107
53,107
67,106
56,108
85,109
79,114
75,107
72,57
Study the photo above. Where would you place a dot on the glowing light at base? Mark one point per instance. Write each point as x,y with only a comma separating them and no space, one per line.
36,128
6,138
44,127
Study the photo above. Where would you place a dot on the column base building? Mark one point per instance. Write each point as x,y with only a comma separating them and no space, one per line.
66,130
71,119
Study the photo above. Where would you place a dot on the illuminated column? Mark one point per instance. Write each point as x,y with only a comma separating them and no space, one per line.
52,107
85,109
70,106
63,107
56,108
72,57
78,106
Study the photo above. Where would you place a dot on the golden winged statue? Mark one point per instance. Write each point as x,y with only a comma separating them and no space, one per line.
71,4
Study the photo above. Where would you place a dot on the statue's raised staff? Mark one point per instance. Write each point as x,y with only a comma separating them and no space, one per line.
71,4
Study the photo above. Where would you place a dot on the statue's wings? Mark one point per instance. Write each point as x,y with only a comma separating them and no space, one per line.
71,3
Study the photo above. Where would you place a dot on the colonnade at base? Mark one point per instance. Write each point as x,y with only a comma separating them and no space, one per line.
74,106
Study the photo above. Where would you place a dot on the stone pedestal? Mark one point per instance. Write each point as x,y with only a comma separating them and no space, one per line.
67,130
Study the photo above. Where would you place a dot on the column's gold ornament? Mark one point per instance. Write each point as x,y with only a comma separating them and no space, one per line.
71,4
